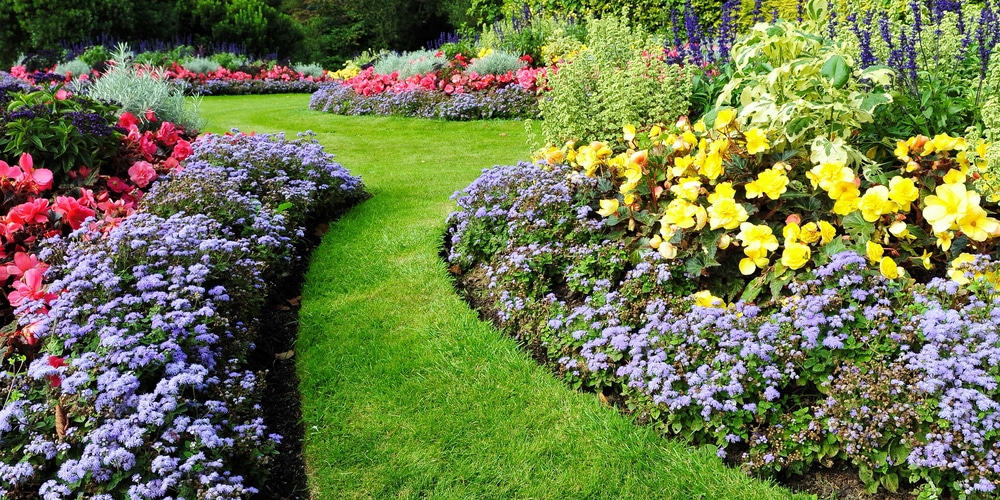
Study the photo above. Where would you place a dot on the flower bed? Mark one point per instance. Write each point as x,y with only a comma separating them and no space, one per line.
450,92
126,366
774,278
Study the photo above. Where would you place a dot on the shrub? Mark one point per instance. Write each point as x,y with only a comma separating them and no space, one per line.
74,68
228,60
95,54
137,89
617,79
495,63
408,64
201,65
313,70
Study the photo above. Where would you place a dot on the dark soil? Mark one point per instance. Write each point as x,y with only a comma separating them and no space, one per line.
281,401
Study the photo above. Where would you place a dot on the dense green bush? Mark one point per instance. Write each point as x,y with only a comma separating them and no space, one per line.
616,80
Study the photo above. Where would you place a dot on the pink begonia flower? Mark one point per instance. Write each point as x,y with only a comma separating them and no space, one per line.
8,172
142,173
182,149
42,177
72,211
127,120
30,286
22,262
151,115
62,95
28,332
32,212
147,145
168,134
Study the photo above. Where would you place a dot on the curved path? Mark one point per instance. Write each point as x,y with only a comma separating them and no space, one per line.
406,393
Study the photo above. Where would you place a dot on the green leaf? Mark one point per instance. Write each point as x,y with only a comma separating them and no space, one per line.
891,482
836,70
858,228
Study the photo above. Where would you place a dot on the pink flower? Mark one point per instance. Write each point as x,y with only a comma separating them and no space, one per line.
41,178
62,95
33,212
151,115
116,185
147,145
29,287
167,134
182,149
8,172
55,362
127,120
22,262
72,211
142,173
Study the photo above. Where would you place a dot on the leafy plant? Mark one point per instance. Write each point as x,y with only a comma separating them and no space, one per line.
495,62
618,78
201,65
74,68
407,64
140,88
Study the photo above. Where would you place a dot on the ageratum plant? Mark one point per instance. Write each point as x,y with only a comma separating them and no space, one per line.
844,366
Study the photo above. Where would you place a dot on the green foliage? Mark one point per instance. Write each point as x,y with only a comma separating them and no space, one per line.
612,82
228,60
201,65
59,134
76,67
408,63
313,70
95,55
137,90
801,88
496,62
161,58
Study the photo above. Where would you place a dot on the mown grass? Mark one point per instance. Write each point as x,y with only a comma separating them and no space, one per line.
406,394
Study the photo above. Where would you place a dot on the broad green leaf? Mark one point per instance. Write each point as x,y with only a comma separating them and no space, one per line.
836,70
858,228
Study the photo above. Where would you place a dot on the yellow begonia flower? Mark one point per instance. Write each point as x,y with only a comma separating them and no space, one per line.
874,251
900,230
655,132
847,197
699,126
687,188
681,165
628,132
925,260
889,269
712,166
903,191
946,205
771,182
955,273
827,175
944,239
827,232
810,233
756,141
941,143
724,118
690,140
953,177
655,242
705,298
875,203
963,161
757,241
902,151
726,213
722,190
724,241
795,255
684,214
667,251
791,232
608,207
975,223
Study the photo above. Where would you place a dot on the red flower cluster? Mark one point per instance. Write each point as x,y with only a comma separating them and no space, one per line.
369,83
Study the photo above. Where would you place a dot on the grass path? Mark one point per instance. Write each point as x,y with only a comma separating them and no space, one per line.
406,394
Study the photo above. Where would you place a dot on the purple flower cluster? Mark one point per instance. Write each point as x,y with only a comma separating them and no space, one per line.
141,387
508,102
248,87
844,365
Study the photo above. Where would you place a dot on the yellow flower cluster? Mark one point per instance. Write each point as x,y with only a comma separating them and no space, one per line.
673,185
350,70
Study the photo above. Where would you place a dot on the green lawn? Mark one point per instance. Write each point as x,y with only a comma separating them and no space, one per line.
406,394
